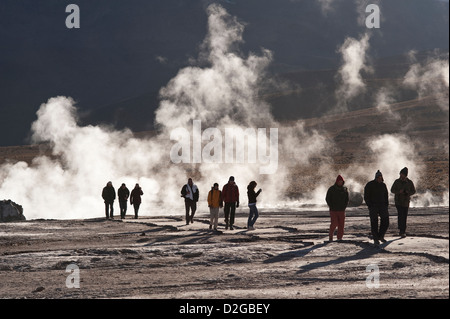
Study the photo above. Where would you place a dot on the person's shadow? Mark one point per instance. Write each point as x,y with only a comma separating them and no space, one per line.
367,250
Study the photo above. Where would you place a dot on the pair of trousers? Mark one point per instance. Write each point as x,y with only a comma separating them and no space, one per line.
109,209
402,215
374,212
214,216
123,209
252,216
337,220
229,211
136,209
192,206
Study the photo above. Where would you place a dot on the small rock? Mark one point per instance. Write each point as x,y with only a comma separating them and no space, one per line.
398,264
192,254
38,289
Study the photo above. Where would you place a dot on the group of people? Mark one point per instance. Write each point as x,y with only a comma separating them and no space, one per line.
227,198
123,193
376,197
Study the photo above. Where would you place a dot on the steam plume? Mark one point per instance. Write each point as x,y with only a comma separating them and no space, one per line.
430,78
221,91
354,62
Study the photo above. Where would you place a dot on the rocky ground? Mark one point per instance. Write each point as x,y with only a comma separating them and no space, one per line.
286,257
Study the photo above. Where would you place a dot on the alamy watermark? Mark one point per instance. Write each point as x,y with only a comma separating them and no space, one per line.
73,280
227,148
373,19
373,279
73,19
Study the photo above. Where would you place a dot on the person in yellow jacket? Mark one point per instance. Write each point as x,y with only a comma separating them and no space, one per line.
214,203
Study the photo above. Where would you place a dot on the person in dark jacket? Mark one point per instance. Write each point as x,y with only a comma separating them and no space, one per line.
403,188
190,194
337,200
230,195
123,193
253,215
135,199
377,200
109,195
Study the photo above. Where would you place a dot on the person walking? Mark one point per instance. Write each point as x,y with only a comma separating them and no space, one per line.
109,195
377,200
253,214
403,188
214,203
230,195
123,193
337,200
135,199
190,193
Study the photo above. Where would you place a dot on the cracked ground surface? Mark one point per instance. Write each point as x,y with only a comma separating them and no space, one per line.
286,257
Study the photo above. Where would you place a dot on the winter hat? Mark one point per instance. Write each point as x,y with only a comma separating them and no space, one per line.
231,178
340,178
404,171
378,173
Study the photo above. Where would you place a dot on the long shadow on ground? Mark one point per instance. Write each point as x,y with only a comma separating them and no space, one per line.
368,250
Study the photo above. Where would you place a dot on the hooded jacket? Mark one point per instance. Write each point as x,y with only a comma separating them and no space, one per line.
109,194
337,196
135,197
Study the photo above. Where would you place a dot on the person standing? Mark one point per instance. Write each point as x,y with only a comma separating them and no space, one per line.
214,203
190,193
337,200
253,214
135,199
403,188
377,200
123,193
230,195
109,195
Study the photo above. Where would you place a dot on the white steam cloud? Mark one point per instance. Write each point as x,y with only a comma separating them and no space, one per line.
388,153
326,6
383,103
329,7
430,78
351,83
392,152
222,93
220,90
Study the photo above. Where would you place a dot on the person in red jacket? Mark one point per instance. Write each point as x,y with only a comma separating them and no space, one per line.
337,200
230,196
135,199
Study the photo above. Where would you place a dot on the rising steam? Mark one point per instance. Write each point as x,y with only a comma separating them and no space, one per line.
351,82
430,78
221,90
